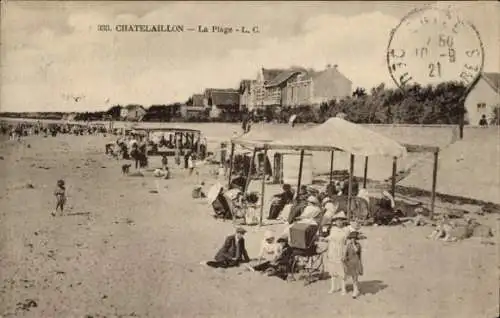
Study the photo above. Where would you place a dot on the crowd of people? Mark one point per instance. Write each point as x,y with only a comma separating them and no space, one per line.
18,130
276,257
325,213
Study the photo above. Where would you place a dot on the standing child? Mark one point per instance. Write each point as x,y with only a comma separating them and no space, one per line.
336,244
60,194
164,162
353,267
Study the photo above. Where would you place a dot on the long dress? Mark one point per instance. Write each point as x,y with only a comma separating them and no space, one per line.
336,244
353,266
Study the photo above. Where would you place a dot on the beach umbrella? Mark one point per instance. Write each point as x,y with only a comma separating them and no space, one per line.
213,193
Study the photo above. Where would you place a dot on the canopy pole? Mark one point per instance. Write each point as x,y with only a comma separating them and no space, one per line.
263,188
331,165
365,175
349,192
300,172
198,146
434,182
249,173
230,165
394,169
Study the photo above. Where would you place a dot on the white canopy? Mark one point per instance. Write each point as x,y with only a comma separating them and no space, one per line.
335,134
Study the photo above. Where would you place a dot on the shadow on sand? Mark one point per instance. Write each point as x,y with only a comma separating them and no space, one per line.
371,286
78,213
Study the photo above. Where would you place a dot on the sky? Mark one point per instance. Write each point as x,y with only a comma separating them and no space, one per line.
52,51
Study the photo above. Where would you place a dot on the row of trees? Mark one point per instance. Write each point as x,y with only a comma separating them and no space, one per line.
441,104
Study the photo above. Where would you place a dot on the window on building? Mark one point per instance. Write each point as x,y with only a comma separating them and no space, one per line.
481,105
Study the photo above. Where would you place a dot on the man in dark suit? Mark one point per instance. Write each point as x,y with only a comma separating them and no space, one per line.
233,252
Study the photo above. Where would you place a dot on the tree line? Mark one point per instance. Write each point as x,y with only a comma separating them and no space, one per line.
414,104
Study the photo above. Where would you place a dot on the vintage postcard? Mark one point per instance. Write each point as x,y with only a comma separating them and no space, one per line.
249,159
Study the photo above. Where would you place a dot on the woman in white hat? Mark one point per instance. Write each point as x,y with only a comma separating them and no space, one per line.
330,208
336,244
312,211
269,251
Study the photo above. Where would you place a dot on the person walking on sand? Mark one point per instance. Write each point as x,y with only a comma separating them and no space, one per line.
60,194
353,266
335,254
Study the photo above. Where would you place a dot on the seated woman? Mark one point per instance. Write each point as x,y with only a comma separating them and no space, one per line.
269,251
384,212
281,263
311,212
279,202
221,205
239,182
355,187
198,192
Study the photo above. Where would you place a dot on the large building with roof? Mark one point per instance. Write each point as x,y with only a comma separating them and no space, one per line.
483,98
298,86
222,101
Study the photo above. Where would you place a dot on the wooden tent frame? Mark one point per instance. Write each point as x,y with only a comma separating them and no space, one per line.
183,132
268,145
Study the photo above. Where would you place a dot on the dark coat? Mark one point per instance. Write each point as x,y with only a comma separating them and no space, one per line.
228,250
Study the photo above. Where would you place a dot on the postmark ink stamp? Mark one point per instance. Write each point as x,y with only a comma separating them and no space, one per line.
433,45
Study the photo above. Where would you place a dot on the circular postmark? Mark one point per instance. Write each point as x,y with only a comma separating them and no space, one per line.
432,45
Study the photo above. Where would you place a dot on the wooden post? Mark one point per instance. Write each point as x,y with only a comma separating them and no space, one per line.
349,192
434,182
262,192
249,174
394,170
365,175
300,172
331,165
230,165
198,148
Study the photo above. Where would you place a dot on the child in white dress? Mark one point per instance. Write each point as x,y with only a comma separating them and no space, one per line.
336,245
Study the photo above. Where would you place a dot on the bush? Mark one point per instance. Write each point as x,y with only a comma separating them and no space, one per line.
495,118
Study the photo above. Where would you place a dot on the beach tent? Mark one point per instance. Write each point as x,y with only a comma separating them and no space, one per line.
336,134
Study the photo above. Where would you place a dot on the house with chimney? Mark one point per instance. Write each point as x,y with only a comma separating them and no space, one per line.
222,102
316,87
298,86
269,84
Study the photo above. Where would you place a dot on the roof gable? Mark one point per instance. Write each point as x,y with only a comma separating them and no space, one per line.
493,79
273,77
270,73
198,100
225,98
282,77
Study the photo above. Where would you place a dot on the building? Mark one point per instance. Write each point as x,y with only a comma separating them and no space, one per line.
222,101
315,87
132,112
269,84
483,98
247,96
197,109
297,86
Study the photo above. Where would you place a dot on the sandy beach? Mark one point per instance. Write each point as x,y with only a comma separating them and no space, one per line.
132,247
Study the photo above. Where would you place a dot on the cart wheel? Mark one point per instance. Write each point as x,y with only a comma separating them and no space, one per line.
294,268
